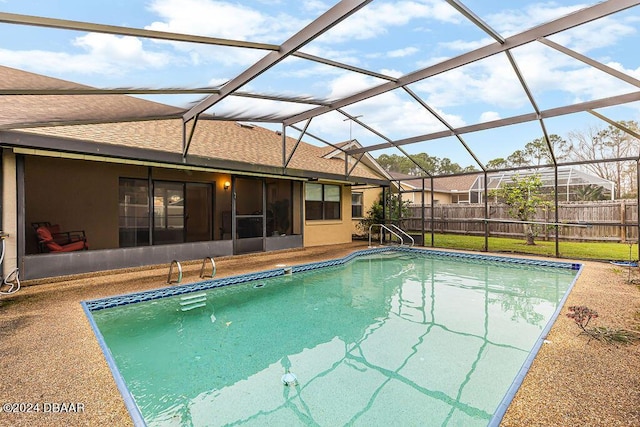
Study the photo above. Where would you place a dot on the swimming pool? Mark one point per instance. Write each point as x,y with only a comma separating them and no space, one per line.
381,337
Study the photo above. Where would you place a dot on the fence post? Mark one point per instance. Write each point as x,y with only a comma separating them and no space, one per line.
623,228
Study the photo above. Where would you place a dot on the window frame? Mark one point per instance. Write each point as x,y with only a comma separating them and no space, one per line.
359,205
321,209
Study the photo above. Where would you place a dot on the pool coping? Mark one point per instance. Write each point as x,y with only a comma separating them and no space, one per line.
124,299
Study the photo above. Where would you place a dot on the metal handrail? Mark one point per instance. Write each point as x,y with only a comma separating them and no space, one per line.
382,226
413,242
12,280
213,267
174,262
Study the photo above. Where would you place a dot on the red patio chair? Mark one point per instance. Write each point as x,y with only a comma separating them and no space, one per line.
47,240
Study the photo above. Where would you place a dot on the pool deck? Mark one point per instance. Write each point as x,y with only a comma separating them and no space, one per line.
50,356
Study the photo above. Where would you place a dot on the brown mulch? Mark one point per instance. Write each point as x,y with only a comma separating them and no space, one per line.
49,354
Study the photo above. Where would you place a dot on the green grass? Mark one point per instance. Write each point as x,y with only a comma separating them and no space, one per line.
576,250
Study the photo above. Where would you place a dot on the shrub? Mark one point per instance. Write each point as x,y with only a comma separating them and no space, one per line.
582,315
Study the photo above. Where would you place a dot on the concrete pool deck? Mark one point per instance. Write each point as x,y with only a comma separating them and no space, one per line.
50,356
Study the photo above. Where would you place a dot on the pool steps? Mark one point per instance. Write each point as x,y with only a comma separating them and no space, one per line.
190,302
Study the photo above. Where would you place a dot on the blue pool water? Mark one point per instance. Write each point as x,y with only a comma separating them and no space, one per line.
411,338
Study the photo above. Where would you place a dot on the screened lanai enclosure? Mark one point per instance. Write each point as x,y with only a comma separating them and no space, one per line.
487,88
572,183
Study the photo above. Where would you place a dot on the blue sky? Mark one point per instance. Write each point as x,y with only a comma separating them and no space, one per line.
389,37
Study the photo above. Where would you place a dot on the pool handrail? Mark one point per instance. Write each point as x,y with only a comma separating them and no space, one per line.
413,242
383,226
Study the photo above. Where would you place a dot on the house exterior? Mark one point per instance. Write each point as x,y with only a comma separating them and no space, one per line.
446,189
242,188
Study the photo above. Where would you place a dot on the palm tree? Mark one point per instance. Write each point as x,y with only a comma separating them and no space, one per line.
590,192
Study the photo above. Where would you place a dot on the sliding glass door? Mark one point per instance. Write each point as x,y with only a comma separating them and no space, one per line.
250,215
198,212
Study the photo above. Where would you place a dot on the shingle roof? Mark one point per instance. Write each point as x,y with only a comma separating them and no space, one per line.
443,183
224,140
212,139
26,110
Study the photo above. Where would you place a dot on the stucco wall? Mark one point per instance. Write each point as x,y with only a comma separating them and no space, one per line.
77,195
329,232
81,195
369,197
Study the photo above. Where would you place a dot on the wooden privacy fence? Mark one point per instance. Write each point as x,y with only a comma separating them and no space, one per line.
611,220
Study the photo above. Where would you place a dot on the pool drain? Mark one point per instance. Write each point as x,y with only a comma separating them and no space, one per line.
289,379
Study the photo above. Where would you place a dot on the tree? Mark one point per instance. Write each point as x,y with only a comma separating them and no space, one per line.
418,163
590,192
534,153
610,143
395,209
523,196
497,163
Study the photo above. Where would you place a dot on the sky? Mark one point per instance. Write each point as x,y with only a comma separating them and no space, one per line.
392,38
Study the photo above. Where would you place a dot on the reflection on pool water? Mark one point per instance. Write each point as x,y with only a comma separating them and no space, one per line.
391,338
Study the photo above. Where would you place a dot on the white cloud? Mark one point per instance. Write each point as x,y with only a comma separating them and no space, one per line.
103,54
315,6
466,45
401,53
393,114
489,116
226,20
602,33
222,19
129,51
375,19
490,81
48,61
511,21
217,82
391,73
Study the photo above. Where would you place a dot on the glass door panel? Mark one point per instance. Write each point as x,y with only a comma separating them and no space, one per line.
198,212
249,201
168,213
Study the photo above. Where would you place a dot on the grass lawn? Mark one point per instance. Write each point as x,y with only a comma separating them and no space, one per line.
578,250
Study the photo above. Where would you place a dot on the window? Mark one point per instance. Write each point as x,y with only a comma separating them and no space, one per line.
134,212
168,212
460,198
322,201
356,205
181,212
